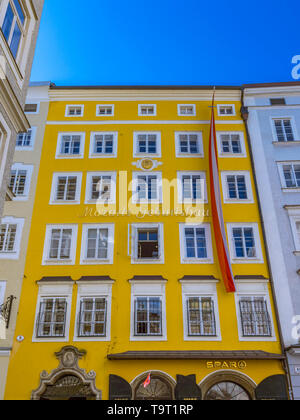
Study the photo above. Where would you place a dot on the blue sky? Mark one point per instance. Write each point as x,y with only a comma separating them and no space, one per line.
163,42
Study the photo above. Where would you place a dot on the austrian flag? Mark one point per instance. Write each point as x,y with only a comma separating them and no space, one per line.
147,381
217,212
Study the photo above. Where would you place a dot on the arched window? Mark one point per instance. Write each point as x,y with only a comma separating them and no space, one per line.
158,389
227,391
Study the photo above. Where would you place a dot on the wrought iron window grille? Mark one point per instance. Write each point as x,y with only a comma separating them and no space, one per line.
5,310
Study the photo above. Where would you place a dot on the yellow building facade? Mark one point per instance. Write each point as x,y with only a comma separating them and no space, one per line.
122,277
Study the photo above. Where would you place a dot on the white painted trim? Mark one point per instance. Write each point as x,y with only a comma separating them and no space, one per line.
56,175
159,190
15,254
248,182
293,124
209,248
282,177
110,249
59,155
2,291
253,288
199,135
93,155
181,199
74,106
294,216
89,186
140,106
29,171
134,240
144,289
95,290
231,155
32,143
46,260
200,289
112,106
219,106
259,256
6,136
180,114
136,154
54,291
33,103
146,122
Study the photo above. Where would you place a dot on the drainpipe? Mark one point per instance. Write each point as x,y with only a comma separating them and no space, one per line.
285,366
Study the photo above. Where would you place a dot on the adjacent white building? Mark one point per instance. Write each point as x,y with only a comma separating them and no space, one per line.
273,112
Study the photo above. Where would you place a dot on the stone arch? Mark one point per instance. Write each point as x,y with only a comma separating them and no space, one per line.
237,378
162,386
68,381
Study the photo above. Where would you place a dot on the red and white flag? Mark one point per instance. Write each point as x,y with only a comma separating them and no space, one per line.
147,381
217,212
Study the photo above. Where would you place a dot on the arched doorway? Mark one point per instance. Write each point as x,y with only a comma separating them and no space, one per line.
68,388
160,388
227,391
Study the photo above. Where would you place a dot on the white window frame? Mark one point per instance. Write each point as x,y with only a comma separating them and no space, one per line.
62,290
71,261
259,255
105,106
59,155
2,291
147,105
209,247
37,108
96,290
155,288
227,199
205,289
56,175
110,249
253,288
137,154
243,154
294,216
67,115
133,238
15,254
94,155
180,114
159,185
181,199
282,177
294,128
32,141
89,188
219,106
199,135
29,172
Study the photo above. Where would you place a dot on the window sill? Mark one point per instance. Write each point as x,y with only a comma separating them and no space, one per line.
58,262
147,261
246,261
291,190
190,155
96,262
297,253
64,203
69,156
287,143
198,338
9,256
197,261
102,155
238,201
148,338
90,339
232,155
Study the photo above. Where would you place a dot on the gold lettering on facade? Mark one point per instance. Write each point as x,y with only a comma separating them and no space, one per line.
226,365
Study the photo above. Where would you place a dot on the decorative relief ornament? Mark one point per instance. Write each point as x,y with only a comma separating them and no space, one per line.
147,164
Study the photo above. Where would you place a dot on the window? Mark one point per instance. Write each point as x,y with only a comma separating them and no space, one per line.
147,244
66,188
92,317
226,110
20,178
2,291
147,187
231,144
10,237
101,187
277,101
147,110
189,144
186,110
13,26
70,145
290,175
255,318
294,215
191,187
201,316
74,110
283,130
237,187
60,244
148,144
25,141
31,108
51,320
97,244
196,244
148,316
105,110
245,243
103,145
